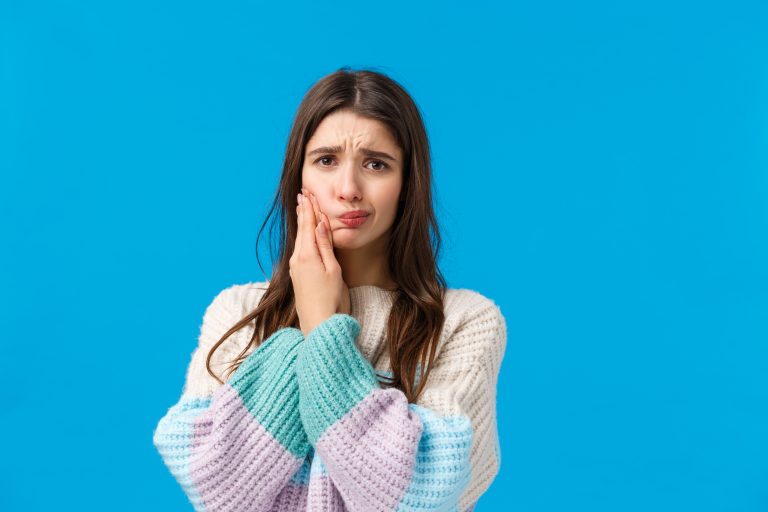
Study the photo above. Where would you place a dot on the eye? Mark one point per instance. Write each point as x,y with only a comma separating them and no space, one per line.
382,164
323,158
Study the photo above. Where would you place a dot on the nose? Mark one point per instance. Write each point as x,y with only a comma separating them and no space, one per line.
347,182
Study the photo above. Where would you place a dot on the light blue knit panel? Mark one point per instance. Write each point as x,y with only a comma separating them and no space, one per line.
173,440
442,470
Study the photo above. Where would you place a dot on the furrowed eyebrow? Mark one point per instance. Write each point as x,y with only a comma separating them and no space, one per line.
366,152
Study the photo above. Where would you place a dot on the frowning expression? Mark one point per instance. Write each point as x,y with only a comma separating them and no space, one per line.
352,163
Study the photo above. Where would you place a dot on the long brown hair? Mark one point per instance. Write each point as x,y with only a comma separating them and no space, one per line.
416,317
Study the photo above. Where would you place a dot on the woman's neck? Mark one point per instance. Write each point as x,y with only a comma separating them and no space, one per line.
366,266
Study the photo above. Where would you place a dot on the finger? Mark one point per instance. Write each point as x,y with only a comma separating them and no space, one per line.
315,207
307,228
320,217
297,244
328,227
311,216
324,245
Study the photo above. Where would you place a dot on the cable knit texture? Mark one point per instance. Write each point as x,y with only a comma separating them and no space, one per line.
305,425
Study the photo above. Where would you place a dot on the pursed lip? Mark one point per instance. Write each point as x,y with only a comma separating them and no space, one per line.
354,214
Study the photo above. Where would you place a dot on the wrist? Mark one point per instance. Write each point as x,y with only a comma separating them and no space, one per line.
314,322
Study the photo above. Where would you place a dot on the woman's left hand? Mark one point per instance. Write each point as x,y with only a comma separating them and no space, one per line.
318,286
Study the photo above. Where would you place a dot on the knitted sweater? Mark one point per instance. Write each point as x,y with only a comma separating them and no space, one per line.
304,424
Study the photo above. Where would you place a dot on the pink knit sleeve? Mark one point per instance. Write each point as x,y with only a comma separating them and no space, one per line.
385,454
236,447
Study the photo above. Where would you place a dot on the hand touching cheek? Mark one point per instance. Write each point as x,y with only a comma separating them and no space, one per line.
318,287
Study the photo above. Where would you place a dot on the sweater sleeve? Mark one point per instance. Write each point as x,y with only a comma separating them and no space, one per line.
236,447
385,454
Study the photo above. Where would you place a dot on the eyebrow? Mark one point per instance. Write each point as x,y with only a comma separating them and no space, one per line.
366,152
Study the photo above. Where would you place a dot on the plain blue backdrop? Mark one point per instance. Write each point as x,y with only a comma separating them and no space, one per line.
600,171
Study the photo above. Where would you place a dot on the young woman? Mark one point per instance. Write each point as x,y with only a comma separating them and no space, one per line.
353,379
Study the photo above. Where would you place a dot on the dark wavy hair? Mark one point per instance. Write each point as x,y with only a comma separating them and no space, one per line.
416,319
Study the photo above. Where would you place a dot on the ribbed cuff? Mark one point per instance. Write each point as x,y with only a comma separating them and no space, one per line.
266,382
333,374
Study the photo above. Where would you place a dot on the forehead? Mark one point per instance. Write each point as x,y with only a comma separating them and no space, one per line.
342,126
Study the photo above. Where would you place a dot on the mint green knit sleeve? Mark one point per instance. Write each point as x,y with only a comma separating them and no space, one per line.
239,447
384,453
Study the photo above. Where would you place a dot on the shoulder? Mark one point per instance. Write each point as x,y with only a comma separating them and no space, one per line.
463,305
236,299
229,306
475,327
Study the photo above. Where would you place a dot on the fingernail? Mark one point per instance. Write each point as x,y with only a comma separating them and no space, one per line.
298,198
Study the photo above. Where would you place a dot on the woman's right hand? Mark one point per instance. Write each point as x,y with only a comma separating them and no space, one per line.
318,286
345,306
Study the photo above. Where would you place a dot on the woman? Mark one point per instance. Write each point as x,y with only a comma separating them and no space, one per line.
301,420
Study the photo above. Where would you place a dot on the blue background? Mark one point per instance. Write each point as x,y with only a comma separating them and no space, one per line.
600,172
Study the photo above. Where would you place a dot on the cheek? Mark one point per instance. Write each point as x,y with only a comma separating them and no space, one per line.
386,207
312,184
322,196
390,199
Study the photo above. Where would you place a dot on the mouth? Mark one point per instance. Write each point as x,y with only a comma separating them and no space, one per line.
354,222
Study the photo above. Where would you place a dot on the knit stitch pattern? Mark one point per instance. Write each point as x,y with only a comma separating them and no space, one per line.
304,424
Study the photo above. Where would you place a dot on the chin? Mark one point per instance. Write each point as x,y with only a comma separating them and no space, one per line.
347,245
351,240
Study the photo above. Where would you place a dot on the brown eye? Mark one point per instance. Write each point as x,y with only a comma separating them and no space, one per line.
379,162
324,158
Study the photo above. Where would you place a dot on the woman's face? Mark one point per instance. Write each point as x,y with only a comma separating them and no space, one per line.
353,163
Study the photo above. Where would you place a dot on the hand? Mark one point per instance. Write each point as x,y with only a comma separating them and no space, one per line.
318,287
345,306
